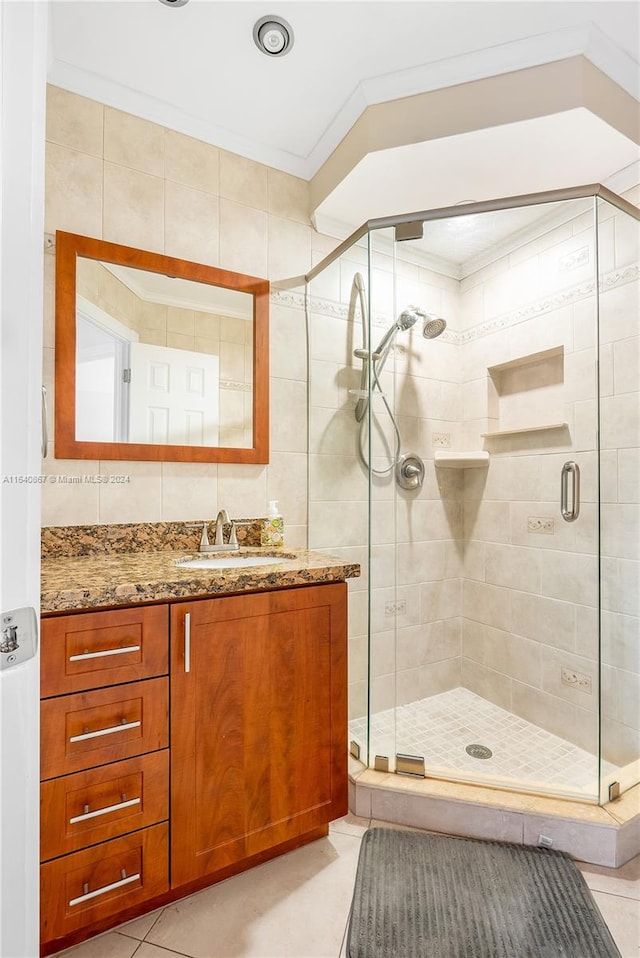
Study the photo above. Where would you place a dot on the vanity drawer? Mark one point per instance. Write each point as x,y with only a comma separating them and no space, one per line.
105,725
96,649
90,807
88,886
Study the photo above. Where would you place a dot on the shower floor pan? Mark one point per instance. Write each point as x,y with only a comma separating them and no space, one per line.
443,726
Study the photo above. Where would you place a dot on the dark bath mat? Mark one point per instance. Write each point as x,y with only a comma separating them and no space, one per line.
432,896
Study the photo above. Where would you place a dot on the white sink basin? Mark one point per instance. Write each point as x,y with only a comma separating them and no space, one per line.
234,561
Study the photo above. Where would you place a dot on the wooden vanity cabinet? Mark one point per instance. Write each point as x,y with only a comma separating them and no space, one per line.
257,756
258,724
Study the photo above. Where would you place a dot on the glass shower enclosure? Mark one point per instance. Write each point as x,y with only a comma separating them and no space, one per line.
474,434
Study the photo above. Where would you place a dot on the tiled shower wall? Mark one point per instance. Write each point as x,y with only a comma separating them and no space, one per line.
116,177
478,599
530,590
412,534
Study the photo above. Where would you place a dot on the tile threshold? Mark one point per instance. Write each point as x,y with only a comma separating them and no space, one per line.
440,805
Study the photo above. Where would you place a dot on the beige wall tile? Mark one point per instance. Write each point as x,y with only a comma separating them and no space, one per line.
547,711
49,301
137,500
242,492
74,121
133,142
243,239
191,162
288,344
549,621
287,483
288,196
69,496
133,208
489,684
289,249
243,180
73,191
191,224
288,416
189,490
513,567
486,603
570,577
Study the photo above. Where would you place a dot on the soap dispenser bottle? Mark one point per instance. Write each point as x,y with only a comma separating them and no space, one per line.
273,528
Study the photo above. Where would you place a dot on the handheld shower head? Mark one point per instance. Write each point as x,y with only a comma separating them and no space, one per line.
433,326
407,318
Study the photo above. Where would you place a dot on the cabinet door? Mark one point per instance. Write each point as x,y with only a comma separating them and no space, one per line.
259,723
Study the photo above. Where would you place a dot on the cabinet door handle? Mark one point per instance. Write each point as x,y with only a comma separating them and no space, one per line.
104,731
187,642
104,811
44,441
98,655
570,470
104,889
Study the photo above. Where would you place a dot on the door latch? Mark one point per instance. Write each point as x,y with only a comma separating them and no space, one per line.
18,636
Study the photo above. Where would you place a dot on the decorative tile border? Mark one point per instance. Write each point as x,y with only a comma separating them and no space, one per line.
565,297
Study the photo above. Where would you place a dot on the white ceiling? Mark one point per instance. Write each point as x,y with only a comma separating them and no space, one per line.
196,69
546,153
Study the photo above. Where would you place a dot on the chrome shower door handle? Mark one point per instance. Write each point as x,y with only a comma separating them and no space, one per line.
570,475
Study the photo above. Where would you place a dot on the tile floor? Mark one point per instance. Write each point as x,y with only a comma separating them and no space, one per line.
297,906
440,728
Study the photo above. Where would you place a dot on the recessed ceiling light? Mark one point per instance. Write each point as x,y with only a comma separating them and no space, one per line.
273,36
174,3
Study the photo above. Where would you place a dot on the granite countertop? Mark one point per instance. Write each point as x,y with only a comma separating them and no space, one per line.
96,581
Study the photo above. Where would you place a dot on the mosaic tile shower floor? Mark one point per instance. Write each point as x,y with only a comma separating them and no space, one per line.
442,726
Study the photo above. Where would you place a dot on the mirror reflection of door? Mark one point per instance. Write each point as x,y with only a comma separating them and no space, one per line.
102,358
174,396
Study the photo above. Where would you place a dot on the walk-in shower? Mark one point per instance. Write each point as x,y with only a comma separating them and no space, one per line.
491,640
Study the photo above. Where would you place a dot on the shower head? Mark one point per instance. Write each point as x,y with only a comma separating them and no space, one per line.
433,326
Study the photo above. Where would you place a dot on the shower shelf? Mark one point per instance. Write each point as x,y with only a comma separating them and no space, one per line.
519,432
461,460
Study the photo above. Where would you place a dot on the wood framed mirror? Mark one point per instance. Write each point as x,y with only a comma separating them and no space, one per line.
158,358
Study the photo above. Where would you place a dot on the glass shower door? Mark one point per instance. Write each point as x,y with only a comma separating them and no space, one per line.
498,673
619,339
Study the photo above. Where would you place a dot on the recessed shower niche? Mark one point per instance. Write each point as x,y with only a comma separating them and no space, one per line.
526,394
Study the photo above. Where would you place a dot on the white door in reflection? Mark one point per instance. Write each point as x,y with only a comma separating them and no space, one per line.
102,355
173,396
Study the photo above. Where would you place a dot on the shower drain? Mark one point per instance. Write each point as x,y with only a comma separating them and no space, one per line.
479,751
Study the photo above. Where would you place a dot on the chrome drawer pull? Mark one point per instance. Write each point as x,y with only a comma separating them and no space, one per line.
104,731
100,655
104,889
103,811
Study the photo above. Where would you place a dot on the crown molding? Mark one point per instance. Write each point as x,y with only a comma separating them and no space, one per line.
588,41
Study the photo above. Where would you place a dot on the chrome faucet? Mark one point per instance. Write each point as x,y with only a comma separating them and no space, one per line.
222,517
219,544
